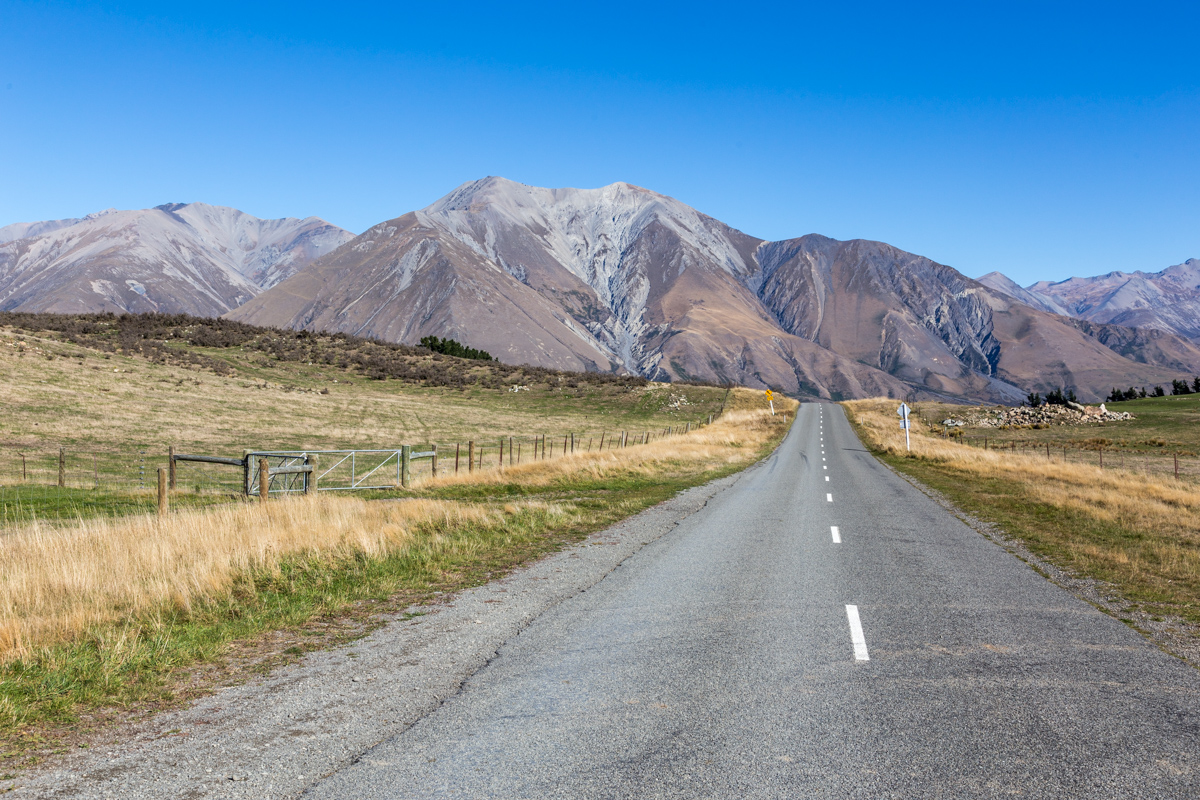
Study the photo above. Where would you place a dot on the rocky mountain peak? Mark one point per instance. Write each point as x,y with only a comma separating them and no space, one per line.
190,257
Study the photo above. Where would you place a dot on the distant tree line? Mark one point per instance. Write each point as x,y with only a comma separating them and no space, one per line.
1177,387
1054,397
449,347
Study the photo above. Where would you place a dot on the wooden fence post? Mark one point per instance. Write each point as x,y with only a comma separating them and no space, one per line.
572,441
457,447
471,456
518,451
1101,458
544,447
1176,466
565,445
246,471
264,479
171,466
163,497
312,479
502,454
601,450
62,467
435,461
510,452
405,464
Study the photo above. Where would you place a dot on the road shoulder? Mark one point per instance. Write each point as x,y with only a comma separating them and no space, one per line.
1177,637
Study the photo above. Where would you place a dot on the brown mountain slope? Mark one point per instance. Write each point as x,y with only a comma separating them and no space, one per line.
931,326
612,279
621,278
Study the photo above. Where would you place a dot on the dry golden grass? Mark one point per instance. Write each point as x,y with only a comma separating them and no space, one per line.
1140,531
59,583
63,582
57,393
726,442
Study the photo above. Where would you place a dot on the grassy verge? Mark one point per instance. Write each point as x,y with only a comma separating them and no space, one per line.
120,614
1137,532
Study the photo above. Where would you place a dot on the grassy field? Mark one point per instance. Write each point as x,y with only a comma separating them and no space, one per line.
1137,531
114,609
1163,426
115,412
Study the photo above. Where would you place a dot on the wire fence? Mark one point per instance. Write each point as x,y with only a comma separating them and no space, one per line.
359,470
1177,464
68,484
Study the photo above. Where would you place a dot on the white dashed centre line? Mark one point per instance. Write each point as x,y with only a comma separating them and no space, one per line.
824,467
837,537
827,477
828,497
856,634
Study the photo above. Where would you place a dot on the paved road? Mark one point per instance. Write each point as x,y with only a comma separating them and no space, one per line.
721,661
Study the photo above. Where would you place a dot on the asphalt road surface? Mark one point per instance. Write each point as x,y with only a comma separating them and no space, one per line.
820,629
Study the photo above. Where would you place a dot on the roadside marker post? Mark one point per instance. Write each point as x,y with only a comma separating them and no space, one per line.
903,412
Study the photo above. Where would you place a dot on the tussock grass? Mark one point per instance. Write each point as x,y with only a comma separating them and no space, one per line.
60,583
722,444
105,610
1138,531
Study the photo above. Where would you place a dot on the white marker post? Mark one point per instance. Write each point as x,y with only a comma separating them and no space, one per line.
903,412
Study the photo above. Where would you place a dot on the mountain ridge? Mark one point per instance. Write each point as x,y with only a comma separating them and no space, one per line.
623,278
1168,300
176,257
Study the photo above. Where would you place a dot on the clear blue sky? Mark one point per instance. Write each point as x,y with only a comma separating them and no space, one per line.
1040,140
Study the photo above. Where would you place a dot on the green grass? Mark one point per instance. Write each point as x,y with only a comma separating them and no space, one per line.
22,504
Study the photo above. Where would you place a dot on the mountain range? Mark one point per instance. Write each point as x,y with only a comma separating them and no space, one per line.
191,258
623,279
1167,301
